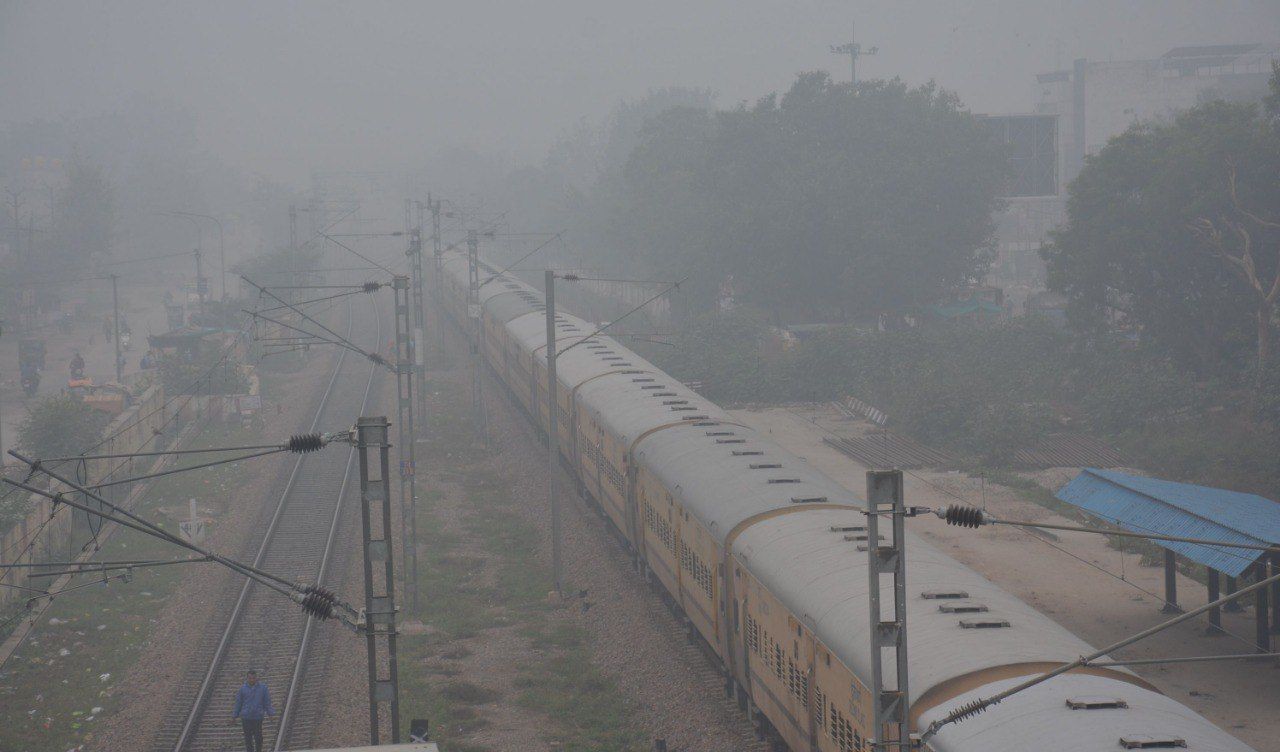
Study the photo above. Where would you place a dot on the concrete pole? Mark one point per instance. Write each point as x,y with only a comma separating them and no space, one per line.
553,436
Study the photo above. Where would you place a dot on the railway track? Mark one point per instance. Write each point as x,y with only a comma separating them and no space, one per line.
264,630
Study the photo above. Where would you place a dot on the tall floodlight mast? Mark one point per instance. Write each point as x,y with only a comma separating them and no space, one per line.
854,51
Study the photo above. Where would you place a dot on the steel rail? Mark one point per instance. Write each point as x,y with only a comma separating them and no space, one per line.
295,682
202,696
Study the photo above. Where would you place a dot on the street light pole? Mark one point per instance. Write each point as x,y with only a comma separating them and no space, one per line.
222,248
553,408
115,305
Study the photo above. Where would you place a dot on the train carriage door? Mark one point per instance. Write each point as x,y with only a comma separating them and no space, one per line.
673,548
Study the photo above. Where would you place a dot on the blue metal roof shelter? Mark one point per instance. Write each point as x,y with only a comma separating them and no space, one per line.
1162,507
1150,505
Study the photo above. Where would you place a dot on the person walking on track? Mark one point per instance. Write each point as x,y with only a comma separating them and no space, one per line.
253,703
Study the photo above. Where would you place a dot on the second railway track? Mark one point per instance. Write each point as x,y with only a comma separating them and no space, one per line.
262,629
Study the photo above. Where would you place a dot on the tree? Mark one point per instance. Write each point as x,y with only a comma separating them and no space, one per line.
1167,229
830,201
85,211
59,426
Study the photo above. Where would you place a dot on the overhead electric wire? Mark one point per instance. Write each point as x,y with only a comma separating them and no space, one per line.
359,255
973,708
340,339
342,344
244,448
201,466
1060,549
669,288
522,258
95,567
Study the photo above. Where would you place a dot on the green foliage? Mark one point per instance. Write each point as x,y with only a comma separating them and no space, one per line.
1130,250
60,425
829,202
269,267
985,392
204,373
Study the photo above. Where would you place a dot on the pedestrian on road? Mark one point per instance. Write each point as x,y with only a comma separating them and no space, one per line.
253,703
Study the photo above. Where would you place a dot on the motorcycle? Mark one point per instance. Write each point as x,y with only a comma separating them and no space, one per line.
30,383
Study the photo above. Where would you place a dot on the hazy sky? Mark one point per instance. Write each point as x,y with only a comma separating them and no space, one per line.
282,87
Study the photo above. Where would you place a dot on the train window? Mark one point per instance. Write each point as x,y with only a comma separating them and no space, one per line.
643,381
764,465
853,537
654,386
720,433
962,608
828,657
675,402
984,623
849,529
930,595
747,453
694,417
1145,741
679,409
731,441
783,480
808,499
1096,703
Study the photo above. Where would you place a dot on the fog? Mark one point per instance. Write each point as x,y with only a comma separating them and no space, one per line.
280,89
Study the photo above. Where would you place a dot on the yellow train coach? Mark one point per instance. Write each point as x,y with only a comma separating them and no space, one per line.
762,554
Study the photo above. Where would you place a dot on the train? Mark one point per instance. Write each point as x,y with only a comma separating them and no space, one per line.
748,543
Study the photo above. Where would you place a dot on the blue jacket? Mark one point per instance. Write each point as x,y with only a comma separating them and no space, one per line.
253,703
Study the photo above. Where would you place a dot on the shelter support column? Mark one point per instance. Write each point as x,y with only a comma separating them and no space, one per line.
1275,595
1171,583
1233,606
1215,613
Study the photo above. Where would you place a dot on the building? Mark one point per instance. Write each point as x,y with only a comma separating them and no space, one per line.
1077,112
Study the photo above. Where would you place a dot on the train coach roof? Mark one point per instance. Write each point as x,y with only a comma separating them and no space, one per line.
629,410
822,578
724,482
1041,719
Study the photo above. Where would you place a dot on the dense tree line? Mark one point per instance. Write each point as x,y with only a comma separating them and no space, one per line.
828,202
1174,228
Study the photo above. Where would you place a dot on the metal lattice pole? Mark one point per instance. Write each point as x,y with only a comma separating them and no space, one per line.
379,592
419,342
890,725
435,252
404,426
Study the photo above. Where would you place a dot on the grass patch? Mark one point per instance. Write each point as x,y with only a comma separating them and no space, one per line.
62,682
467,693
465,594
565,685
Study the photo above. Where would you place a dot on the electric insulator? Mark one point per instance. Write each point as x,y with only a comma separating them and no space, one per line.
963,516
969,710
372,286
304,443
318,602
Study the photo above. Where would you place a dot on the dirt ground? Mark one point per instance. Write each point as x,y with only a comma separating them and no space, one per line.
1093,590
500,668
